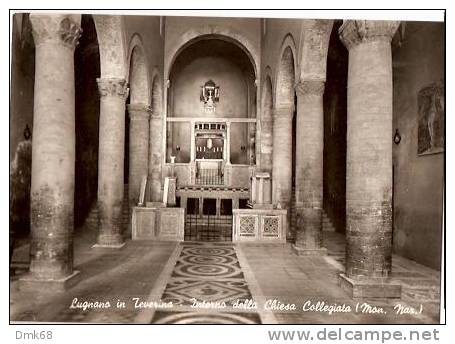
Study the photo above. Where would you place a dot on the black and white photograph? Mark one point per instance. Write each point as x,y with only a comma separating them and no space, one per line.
184,168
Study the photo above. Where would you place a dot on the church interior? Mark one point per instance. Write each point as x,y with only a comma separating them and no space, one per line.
176,169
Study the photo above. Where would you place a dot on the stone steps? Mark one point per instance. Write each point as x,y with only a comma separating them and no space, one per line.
327,223
91,221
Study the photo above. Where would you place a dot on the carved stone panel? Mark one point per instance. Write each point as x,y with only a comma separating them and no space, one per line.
171,224
271,226
248,226
143,223
261,225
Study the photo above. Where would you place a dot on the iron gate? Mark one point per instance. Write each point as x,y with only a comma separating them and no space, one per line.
208,227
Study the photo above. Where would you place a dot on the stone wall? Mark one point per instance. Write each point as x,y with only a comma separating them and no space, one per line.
187,84
273,34
418,60
185,92
335,111
148,28
87,69
21,115
22,80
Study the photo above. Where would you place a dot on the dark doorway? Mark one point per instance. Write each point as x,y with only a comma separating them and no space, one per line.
192,206
243,203
209,207
226,207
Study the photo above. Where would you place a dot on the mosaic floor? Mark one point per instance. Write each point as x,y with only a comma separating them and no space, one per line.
206,282
214,272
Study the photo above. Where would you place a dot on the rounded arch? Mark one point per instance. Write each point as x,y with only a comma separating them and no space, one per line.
156,156
313,49
267,123
267,97
110,30
138,75
157,93
213,32
286,73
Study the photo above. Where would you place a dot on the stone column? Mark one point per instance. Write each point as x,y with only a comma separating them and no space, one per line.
139,149
266,145
228,143
218,206
309,159
155,159
282,155
369,159
253,189
252,143
282,160
227,180
201,205
192,142
260,199
113,94
53,150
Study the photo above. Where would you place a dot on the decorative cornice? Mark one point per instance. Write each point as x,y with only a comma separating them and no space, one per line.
139,111
113,87
310,87
55,29
355,32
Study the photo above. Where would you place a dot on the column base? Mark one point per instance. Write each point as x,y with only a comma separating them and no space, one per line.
110,241
300,251
369,288
31,283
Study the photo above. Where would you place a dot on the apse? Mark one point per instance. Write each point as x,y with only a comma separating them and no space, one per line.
211,79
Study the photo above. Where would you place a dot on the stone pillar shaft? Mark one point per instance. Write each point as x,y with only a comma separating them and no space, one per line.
260,199
309,161
53,149
218,206
193,143
228,143
282,155
155,159
266,145
111,155
139,149
369,148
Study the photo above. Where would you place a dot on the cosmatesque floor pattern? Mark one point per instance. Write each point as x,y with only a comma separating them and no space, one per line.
213,273
205,284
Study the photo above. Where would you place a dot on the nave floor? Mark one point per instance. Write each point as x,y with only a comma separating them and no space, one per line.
215,283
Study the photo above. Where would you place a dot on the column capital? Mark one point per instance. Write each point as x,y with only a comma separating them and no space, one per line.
283,112
139,111
310,87
113,87
354,32
56,29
